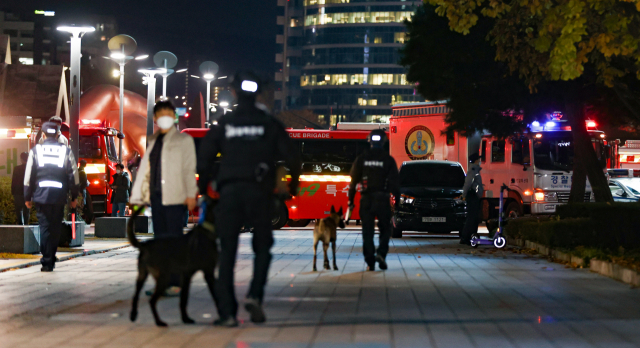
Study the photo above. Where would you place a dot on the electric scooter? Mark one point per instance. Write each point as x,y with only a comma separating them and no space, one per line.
498,240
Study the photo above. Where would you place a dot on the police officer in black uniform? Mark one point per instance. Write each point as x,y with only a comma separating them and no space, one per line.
250,143
378,174
51,173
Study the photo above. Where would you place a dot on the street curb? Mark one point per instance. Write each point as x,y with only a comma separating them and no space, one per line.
64,258
605,268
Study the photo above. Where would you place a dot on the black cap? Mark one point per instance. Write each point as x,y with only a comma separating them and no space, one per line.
50,129
377,138
247,83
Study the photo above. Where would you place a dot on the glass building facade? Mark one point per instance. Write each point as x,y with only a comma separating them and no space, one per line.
340,58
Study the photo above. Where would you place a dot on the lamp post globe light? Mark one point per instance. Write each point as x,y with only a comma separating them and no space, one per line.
122,47
165,60
74,118
150,79
209,70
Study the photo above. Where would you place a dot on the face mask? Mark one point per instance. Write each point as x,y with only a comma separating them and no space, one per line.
165,122
119,171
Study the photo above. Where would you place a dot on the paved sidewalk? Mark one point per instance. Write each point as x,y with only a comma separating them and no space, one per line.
435,294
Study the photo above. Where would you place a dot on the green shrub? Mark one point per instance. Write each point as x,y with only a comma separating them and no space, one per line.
523,227
587,210
7,207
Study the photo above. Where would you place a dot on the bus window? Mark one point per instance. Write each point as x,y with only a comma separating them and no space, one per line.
483,152
329,151
520,153
497,151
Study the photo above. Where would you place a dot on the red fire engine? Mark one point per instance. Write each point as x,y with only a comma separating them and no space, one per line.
327,156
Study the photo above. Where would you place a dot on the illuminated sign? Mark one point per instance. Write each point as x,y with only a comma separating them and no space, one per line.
45,13
565,144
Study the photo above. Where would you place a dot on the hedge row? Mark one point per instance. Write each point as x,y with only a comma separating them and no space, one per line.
608,226
7,207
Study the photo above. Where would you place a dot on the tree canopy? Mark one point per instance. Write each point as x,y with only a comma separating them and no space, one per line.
554,40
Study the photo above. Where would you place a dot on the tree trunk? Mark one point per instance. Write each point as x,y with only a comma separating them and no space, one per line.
579,180
586,157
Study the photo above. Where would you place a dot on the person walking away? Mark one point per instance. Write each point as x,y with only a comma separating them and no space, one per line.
166,179
23,214
472,191
377,172
121,188
87,203
59,137
51,173
250,142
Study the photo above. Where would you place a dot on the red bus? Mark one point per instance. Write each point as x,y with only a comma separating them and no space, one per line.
327,157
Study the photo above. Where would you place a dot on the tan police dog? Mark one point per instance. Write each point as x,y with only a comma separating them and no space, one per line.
326,231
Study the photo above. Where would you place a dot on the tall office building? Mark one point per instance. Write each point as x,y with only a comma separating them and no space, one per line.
339,58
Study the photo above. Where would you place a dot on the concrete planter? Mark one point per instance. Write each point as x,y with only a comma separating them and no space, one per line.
605,268
615,271
111,227
20,239
143,224
66,239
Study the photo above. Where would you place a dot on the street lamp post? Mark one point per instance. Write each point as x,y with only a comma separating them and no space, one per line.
121,47
165,60
150,78
209,70
74,117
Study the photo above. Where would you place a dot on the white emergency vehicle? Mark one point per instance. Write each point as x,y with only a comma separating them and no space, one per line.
537,166
629,155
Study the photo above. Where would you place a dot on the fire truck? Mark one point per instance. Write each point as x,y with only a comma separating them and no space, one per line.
629,155
327,157
14,140
97,146
536,166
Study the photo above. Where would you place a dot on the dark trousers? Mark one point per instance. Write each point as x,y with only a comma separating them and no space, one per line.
117,209
372,206
167,223
473,218
50,221
23,214
242,204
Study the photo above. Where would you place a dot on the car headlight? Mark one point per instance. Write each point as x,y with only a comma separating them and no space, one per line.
458,201
546,196
404,199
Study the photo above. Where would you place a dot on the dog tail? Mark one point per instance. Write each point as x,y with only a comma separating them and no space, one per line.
131,235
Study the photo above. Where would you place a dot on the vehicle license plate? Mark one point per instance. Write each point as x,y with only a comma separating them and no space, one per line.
434,219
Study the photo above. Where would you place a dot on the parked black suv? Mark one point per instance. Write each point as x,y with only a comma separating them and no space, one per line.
430,198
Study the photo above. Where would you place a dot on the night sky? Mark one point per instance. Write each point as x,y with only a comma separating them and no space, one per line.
236,34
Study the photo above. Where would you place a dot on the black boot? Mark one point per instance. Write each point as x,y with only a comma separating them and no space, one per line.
381,262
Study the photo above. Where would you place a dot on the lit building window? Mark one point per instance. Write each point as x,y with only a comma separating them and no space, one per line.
26,61
399,38
357,17
365,102
353,79
323,2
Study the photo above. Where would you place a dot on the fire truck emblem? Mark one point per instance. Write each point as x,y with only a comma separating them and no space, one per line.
419,143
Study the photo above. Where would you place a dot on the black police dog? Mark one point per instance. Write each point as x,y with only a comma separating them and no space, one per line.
186,255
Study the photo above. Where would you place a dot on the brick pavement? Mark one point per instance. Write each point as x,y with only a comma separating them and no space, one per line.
435,294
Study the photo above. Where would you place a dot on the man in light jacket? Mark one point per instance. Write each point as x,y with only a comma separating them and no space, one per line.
166,178
472,191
